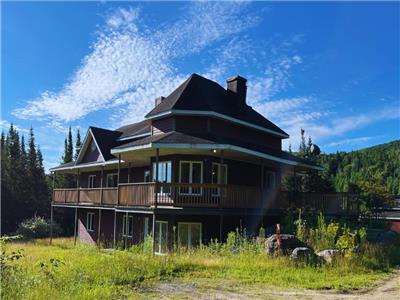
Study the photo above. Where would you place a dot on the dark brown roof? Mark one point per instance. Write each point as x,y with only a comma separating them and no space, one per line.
201,94
174,137
142,127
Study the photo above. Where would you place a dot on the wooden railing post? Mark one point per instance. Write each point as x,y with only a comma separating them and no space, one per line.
101,185
156,181
119,169
77,185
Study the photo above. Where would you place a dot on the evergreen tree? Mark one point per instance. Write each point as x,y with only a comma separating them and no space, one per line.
78,144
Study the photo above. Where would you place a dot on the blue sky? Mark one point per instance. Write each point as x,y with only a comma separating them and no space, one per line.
330,68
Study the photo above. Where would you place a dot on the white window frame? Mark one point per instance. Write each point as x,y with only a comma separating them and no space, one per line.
125,231
217,192
144,175
273,186
161,188
158,227
190,232
109,175
90,221
146,228
190,189
91,181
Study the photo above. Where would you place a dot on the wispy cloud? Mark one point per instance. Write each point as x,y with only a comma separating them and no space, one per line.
129,67
350,142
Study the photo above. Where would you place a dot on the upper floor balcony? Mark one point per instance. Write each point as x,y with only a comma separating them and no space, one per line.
224,196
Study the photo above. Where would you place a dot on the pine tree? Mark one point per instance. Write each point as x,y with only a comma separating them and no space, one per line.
302,148
70,146
78,144
290,148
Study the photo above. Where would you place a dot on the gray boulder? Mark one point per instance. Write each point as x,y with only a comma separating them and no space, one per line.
303,254
329,254
288,243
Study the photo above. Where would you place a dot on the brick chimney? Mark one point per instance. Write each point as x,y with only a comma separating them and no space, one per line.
236,87
159,100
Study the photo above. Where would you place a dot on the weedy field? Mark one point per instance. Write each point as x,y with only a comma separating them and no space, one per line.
36,270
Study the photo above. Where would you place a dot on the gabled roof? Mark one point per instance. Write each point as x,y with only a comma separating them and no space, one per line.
105,139
203,95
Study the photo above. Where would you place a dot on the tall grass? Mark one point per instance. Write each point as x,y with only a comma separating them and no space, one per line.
65,271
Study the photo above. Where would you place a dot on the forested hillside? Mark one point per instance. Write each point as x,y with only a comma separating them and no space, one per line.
377,165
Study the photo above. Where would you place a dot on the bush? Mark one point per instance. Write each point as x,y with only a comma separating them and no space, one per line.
37,227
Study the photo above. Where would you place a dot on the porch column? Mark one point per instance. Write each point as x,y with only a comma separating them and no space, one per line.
101,185
75,224
221,223
156,187
99,229
115,228
77,185
126,229
262,185
153,232
51,223
51,210
129,172
119,170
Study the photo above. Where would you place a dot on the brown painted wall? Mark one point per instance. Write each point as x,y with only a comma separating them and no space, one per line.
91,156
163,125
243,135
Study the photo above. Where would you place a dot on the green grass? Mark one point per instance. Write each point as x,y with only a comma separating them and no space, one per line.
84,272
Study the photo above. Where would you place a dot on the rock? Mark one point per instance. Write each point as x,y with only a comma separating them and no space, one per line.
388,237
329,254
288,243
303,254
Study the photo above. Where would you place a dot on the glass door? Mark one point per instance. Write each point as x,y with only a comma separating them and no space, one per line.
189,235
219,176
191,172
161,237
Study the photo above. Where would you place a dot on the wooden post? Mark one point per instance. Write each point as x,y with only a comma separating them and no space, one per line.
115,228
51,223
153,231
156,188
101,185
262,186
129,172
119,169
76,224
99,229
77,185
126,229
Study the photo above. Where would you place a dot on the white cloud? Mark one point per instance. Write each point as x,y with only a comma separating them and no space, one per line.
128,68
350,142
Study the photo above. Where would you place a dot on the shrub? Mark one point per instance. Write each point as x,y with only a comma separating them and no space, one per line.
37,227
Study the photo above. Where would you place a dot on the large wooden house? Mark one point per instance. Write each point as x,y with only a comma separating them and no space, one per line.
200,164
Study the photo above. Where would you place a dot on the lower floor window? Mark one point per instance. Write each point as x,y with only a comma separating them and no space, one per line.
90,221
127,226
161,237
189,235
146,228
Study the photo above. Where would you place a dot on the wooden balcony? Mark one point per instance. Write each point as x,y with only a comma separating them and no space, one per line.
205,196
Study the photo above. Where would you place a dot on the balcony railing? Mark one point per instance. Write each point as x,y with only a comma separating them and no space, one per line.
205,195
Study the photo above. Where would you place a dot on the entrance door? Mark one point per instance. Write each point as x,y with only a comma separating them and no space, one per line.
161,237
189,235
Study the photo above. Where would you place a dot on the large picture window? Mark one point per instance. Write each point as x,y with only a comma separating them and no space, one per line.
91,181
189,235
112,180
191,172
164,175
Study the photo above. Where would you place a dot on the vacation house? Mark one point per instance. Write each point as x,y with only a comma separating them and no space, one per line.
200,164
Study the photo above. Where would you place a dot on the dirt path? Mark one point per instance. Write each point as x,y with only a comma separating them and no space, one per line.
388,290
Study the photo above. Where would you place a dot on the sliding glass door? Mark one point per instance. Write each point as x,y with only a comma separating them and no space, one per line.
161,237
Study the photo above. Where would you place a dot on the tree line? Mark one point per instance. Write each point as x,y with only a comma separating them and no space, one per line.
26,190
